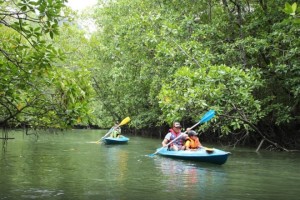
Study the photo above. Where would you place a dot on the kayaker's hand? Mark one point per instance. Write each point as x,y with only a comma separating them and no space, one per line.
164,143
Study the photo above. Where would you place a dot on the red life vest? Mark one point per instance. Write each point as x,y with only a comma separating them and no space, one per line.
174,135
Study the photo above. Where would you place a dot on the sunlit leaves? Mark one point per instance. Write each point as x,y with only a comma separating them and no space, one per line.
290,9
191,92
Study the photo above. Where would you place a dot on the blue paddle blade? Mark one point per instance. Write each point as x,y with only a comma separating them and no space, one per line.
210,114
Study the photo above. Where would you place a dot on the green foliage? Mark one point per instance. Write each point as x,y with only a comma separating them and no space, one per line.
261,36
140,45
34,91
226,89
160,61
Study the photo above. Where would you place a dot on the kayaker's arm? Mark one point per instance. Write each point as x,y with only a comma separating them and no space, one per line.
165,142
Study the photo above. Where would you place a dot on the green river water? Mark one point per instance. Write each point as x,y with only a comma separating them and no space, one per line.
70,165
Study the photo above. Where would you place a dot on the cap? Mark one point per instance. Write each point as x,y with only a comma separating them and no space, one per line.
176,125
191,133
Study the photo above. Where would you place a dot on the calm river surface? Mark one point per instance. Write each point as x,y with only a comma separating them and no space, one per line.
70,166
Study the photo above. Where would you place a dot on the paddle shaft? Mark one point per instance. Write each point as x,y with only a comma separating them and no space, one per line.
110,130
208,115
124,121
182,134
177,137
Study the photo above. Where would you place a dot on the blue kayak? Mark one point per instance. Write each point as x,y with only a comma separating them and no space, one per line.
210,155
120,140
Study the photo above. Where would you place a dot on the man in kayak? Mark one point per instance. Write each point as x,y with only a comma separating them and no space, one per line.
176,135
192,141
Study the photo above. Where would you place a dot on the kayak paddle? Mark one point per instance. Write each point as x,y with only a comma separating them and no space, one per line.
208,115
124,121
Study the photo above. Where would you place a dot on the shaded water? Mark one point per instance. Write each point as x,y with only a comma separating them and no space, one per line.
72,166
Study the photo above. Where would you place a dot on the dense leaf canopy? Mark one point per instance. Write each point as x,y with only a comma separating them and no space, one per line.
155,61
35,89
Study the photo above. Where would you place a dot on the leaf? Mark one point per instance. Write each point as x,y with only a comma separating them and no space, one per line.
51,34
294,7
288,8
19,107
23,8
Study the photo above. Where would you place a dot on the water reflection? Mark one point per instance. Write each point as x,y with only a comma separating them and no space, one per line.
34,193
117,161
65,166
193,177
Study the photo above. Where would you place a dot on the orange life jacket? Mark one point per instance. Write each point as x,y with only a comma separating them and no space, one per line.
193,144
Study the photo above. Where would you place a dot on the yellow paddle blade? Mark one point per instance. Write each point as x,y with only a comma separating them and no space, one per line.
124,121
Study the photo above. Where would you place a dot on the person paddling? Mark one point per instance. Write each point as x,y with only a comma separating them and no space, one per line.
173,133
116,132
